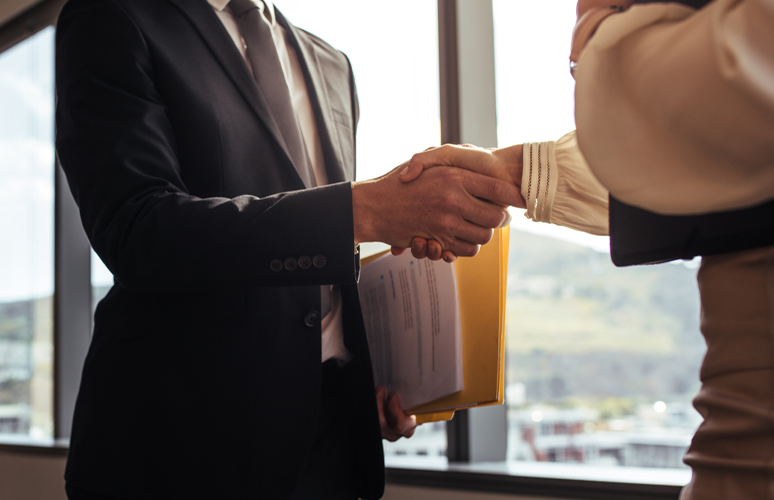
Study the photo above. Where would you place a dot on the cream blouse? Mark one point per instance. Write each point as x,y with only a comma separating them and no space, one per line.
675,109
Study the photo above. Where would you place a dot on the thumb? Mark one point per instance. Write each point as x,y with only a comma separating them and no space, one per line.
412,171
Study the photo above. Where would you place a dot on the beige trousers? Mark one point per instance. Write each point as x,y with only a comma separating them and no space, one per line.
732,454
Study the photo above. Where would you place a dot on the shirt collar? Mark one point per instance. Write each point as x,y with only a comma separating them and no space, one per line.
220,5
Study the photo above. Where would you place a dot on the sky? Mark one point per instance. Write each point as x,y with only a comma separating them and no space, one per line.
394,54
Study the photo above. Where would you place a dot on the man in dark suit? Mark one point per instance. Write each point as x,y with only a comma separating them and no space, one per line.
210,148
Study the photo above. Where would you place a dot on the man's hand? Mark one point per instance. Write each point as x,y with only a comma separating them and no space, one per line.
424,249
457,208
505,164
393,420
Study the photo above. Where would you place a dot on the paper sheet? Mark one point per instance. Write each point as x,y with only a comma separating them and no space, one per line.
411,313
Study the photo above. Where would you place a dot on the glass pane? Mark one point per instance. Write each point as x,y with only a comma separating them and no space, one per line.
395,60
101,280
602,362
27,228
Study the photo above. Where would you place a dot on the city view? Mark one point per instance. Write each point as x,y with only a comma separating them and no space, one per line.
602,362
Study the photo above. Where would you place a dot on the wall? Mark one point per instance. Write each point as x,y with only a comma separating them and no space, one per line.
395,492
26,476
31,476
11,8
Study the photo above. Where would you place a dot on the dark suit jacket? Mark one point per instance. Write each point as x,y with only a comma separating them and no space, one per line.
203,376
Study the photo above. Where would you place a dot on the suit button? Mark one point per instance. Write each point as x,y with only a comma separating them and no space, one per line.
312,319
319,261
304,262
276,265
291,264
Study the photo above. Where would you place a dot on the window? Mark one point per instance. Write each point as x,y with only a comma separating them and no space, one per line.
101,280
602,362
27,229
395,60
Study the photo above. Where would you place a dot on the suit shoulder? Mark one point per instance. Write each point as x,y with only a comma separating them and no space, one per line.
74,7
128,8
327,48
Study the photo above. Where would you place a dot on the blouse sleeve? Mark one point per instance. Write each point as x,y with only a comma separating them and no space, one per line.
675,107
560,189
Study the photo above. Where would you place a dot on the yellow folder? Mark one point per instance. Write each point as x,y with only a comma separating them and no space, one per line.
481,287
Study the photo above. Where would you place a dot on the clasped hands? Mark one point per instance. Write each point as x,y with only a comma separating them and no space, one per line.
444,203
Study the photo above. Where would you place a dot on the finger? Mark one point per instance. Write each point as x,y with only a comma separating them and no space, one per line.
388,432
467,157
419,248
391,436
462,248
492,189
465,234
482,213
413,168
405,425
397,250
380,396
433,250
506,221
447,256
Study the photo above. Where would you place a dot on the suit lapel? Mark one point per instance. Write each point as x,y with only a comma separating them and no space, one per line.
209,26
318,93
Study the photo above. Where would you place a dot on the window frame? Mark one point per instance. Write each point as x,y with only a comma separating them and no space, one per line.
468,114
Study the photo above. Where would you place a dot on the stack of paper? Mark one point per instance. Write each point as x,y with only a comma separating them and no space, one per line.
411,313
470,346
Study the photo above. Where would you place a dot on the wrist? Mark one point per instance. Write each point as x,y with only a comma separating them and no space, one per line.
364,212
513,161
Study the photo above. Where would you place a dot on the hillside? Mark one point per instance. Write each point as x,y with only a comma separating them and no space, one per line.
577,326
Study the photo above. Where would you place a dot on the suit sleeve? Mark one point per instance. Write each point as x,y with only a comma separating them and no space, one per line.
118,149
675,107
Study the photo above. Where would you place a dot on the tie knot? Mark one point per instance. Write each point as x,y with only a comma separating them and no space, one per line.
240,7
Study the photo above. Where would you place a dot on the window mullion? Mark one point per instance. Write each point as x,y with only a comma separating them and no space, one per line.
468,115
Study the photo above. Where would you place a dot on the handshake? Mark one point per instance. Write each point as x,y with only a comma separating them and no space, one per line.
444,203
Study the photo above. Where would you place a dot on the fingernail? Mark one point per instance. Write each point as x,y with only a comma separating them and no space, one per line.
404,172
420,247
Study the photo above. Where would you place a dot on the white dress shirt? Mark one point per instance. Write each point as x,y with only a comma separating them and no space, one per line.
676,112
332,324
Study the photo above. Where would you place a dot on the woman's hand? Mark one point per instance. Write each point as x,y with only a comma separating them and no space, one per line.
505,164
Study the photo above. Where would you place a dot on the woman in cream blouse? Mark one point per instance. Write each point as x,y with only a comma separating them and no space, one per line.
675,114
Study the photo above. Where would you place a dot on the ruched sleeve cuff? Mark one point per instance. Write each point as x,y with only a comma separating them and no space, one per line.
560,189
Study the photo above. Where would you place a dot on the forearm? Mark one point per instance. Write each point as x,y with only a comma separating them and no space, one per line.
171,240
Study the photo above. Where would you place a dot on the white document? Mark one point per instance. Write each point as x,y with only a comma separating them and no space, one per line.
412,320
